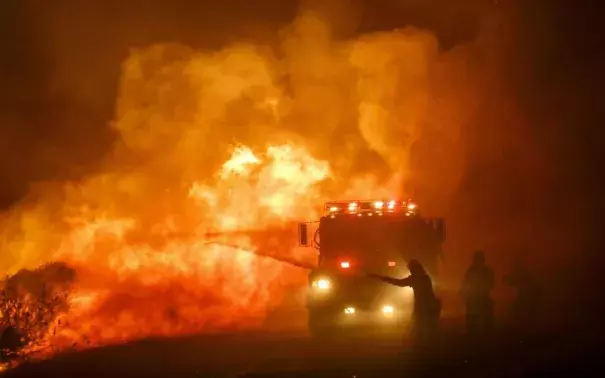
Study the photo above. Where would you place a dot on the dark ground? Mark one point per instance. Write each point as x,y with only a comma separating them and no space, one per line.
293,354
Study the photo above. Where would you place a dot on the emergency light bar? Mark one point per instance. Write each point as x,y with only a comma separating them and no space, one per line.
369,207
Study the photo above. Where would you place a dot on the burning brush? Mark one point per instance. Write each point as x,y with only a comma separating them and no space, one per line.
31,304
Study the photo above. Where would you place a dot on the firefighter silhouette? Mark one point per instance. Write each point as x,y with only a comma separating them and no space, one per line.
476,291
427,307
524,307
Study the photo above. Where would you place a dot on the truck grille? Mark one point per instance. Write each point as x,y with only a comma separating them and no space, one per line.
363,292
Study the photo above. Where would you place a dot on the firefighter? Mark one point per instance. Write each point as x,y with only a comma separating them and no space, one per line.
427,307
528,295
476,292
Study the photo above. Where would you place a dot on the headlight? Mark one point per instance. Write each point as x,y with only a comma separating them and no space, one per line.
350,310
322,284
387,310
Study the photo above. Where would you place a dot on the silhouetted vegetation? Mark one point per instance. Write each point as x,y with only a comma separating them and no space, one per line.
31,305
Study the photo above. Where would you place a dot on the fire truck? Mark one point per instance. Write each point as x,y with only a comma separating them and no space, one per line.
357,237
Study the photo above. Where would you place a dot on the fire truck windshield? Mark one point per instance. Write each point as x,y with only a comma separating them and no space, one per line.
363,236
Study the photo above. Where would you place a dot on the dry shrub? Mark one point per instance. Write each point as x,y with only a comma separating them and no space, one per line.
31,305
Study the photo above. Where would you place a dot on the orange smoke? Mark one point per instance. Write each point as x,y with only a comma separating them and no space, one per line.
189,225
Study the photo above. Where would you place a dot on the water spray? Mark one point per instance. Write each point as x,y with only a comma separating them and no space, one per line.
283,260
264,234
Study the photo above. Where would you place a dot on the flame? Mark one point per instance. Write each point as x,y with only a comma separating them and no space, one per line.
129,289
185,230
242,157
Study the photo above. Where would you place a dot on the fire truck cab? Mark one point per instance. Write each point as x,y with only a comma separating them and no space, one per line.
356,237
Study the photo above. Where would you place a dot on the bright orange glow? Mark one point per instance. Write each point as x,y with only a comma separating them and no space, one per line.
194,270
392,263
189,223
378,205
353,206
345,265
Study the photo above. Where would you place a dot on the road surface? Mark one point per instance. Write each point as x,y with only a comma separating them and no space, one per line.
293,352
219,355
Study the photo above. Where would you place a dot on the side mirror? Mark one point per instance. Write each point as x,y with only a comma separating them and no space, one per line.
440,228
303,235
